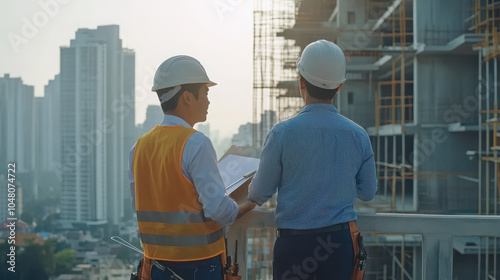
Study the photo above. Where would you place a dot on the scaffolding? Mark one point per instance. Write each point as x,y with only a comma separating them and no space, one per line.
276,25
394,104
275,98
263,77
486,16
274,72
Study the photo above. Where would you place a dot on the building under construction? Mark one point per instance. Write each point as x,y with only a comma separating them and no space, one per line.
422,79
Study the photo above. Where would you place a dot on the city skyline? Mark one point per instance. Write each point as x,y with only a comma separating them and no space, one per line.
82,129
219,34
96,132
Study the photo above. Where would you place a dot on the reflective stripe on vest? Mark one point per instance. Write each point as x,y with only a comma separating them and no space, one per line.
171,221
172,217
182,240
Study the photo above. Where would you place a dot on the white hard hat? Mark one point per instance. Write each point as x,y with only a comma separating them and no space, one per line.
323,64
179,70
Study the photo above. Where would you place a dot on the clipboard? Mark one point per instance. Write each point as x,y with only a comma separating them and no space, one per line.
237,167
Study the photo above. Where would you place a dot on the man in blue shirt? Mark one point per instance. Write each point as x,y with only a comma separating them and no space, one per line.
318,162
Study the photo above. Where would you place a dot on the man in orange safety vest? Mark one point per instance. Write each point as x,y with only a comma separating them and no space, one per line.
178,193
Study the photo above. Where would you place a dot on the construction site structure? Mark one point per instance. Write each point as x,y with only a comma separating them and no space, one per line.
275,86
422,80
486,24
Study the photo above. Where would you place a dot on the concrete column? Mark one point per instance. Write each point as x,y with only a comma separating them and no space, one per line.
437,257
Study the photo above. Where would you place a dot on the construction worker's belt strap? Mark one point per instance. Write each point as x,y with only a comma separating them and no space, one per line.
289,232
360,255
146,266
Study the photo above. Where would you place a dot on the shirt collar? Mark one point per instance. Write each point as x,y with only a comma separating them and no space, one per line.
171,120
319,107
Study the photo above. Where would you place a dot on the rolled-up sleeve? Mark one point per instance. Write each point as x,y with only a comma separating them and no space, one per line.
366,178
204,172
268,177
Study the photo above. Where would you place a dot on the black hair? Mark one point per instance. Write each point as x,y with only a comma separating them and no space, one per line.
172,103
319,93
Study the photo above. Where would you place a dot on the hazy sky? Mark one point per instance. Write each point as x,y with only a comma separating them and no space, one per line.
219,33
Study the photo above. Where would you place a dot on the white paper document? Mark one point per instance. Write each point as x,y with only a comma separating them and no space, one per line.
233,168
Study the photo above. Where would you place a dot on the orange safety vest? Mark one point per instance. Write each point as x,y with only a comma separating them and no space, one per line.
171,221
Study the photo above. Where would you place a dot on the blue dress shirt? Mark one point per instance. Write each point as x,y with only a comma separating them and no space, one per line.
319,162
199,165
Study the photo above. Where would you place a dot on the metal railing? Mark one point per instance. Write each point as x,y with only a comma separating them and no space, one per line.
437,235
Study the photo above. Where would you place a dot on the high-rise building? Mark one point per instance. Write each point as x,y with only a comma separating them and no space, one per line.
41,137
254,134
47,134
97,115
41,142
48,127
204,128
16,137
130,130
154,116
16,124
244,135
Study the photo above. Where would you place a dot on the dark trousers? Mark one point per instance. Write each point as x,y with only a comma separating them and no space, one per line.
209,269
322,256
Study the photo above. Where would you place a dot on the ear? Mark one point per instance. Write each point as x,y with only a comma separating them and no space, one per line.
187,97
339,88
302,83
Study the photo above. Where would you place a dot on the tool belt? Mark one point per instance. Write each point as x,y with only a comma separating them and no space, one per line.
231,277
143,270
230,271
360,255
145,267
291,232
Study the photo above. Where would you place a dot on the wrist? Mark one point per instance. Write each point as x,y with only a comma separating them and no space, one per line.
251,204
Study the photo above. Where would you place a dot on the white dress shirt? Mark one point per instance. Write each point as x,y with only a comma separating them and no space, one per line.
199,165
